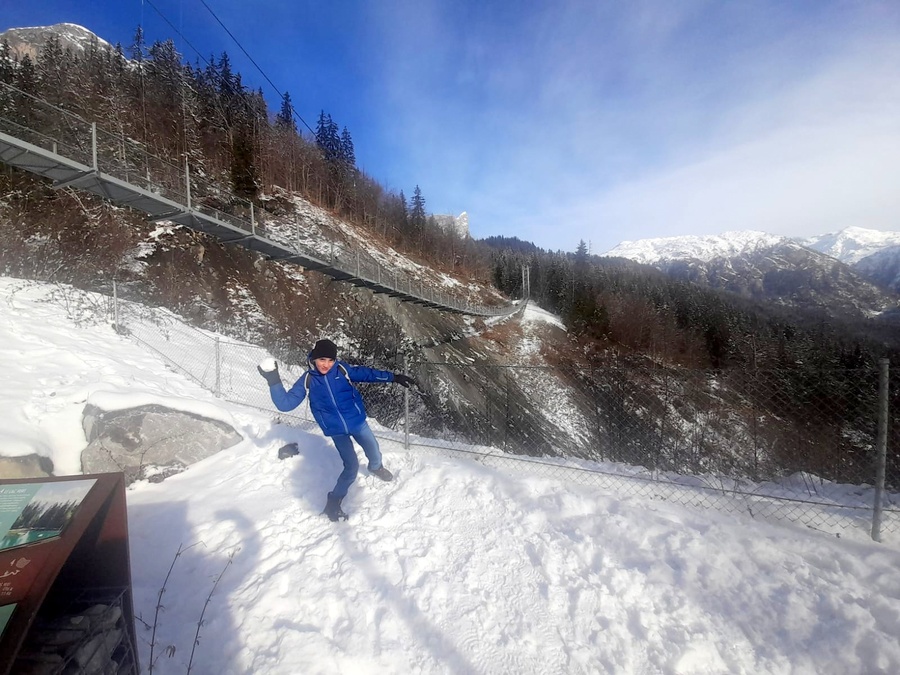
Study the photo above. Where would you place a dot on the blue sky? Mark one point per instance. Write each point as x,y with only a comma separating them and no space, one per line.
576,119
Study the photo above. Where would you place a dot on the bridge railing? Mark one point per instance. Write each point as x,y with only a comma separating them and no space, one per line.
31,119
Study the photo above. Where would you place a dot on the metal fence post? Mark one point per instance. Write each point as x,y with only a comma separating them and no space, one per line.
116,307
218,389
487,410
880,446
507,422
405,408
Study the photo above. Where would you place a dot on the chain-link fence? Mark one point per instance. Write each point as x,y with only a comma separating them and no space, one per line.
796,443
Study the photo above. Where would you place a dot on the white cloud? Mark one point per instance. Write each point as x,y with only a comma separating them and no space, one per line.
605,122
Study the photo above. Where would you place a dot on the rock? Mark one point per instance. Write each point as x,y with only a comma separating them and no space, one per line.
288,450
26,466
150,440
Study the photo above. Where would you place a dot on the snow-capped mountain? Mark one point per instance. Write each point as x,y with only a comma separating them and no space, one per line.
705,249
773,268
852,244
71,36
872,253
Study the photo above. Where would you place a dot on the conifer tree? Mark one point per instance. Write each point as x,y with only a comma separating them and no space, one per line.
243,168
348,155
581,252
285,118
51,70
138,46
327,138
26,76
417,210
400,213
7,71
225,79
164,75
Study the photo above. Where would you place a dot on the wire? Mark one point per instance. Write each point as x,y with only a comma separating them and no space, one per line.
237,42
199,55
177,32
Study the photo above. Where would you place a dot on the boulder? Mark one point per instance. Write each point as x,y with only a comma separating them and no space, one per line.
150,440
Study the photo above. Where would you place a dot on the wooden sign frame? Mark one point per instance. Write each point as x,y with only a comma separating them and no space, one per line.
84,549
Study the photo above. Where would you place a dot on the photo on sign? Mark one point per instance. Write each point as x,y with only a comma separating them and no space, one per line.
32,512
6,612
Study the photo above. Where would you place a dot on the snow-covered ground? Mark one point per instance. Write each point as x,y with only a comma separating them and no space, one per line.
455,567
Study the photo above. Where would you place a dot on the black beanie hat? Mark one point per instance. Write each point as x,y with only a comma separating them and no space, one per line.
324,349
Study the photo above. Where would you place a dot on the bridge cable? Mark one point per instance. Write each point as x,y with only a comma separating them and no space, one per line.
238,43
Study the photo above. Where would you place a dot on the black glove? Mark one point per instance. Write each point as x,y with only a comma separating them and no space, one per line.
404,380
272,376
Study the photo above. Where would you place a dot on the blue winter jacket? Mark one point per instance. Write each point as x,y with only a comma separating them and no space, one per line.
335,403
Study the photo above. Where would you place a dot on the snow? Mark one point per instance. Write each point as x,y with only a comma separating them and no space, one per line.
533,313
331,238
852,244
457,566
71,36
704,248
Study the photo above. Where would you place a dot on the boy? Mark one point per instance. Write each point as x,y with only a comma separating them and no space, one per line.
338,409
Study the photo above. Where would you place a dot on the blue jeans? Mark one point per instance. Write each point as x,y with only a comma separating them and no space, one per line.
344,445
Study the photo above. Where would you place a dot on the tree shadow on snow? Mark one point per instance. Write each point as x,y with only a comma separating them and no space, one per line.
196,593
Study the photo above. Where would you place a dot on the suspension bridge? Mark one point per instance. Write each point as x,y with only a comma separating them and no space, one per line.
73,152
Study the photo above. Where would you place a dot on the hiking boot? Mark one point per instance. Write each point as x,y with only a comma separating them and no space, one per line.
333,509
382,473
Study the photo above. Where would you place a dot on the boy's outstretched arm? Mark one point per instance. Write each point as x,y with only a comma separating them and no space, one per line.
283,400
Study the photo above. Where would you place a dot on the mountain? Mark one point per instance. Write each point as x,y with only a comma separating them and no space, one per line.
457,224
772,268
659,252
872,253
852,244
883,267
71,36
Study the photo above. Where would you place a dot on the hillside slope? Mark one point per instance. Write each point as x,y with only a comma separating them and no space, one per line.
455,567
